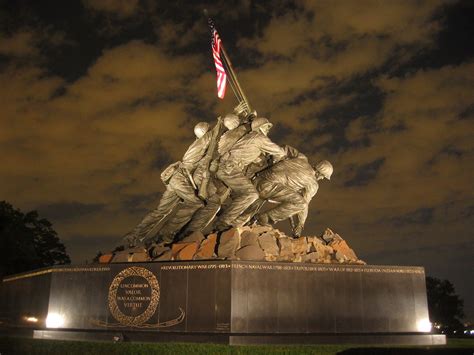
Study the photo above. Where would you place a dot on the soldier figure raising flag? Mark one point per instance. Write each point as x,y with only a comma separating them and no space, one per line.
229,172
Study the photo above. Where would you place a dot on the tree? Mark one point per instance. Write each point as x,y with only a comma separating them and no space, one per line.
27,241
444,305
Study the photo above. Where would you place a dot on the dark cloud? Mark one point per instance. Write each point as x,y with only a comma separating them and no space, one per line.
160,157
68,210
140,204
281,132
420,216
364,174
467,213
452,45
468,114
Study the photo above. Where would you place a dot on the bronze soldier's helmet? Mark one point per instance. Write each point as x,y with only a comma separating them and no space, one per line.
325,169
201,129
231,121
260,122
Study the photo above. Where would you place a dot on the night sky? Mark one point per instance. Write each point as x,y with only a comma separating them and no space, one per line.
96,97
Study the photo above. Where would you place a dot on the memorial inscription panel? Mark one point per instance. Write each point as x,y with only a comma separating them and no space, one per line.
133,296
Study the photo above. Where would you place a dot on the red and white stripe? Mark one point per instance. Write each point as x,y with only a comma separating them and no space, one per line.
221,74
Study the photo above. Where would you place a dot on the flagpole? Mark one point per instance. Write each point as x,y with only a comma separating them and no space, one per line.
234,78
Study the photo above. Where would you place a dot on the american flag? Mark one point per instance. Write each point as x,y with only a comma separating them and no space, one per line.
216,53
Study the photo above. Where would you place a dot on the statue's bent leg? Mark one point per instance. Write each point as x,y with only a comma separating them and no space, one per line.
251,211
179,220
289,203
217,192
168,201
265,189
203,216
185,191
183,188
243,195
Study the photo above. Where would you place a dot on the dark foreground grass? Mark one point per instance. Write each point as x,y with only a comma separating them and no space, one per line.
12,345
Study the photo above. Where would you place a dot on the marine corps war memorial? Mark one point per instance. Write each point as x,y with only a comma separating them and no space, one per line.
209,265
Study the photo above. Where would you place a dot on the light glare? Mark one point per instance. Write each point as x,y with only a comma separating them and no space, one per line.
54,320
31,319
423,325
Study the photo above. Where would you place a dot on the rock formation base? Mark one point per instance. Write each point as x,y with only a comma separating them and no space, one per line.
257,243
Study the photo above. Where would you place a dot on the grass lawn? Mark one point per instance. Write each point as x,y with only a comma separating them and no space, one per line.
12,345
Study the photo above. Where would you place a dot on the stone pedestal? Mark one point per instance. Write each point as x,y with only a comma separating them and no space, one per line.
236,302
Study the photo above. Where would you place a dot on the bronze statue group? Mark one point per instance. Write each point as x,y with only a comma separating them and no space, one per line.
226,177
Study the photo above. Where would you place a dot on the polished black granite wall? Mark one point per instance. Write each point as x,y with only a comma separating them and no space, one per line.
236,297
302,298
25,299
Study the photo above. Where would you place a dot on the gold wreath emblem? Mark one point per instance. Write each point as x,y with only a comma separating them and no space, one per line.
155,296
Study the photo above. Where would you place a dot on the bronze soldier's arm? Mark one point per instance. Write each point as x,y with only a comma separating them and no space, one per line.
310,190
267,146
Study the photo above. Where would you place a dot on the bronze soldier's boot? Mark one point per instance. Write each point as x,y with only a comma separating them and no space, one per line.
263,219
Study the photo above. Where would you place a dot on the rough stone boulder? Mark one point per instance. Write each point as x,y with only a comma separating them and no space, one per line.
248,238
268,243
207,247
286,249
194,237
137,254
250,252
229,242
299,246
